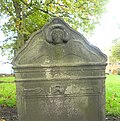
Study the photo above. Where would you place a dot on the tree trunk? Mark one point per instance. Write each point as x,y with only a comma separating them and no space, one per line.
19,23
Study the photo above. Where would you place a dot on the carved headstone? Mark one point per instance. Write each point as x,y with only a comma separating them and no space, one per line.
61,76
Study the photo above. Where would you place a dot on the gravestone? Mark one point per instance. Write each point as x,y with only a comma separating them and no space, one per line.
60,76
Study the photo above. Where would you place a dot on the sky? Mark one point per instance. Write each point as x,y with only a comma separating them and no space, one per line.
107,30
109,27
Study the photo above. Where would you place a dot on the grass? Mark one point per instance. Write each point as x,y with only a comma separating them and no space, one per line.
113,95
8,93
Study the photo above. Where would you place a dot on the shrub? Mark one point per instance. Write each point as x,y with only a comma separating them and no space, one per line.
118,71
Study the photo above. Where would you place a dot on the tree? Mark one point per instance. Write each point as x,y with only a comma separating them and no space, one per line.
27,16
116,49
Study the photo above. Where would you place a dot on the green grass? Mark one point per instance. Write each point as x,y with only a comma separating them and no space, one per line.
7,79
8,93
113,95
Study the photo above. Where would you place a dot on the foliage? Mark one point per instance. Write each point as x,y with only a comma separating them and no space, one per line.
118,71
113,95
26,16
8,94
116,49
112,60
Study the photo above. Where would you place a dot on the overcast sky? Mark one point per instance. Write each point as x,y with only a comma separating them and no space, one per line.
105,32
109,27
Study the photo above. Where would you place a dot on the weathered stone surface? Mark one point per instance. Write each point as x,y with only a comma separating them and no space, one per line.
61,76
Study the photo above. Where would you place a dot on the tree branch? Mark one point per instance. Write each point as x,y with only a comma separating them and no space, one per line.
17,7
7,39
5,62
8,10
37,8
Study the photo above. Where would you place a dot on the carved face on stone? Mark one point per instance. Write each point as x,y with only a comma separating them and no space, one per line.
57,34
